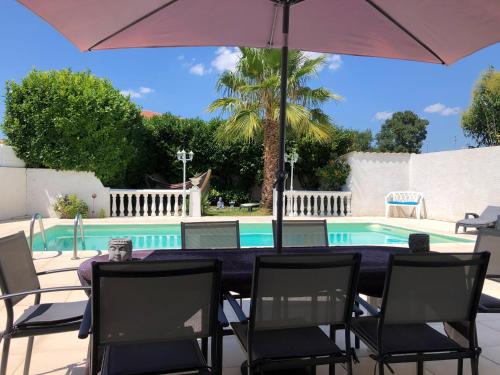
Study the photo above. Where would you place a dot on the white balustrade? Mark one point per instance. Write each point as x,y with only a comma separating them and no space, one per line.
316,203
147,202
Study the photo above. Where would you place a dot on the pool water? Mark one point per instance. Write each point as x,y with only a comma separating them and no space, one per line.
168,236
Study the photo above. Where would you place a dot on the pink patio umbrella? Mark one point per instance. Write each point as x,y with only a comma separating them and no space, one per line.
434,31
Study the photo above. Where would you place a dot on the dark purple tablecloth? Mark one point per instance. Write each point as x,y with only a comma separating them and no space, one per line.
237,265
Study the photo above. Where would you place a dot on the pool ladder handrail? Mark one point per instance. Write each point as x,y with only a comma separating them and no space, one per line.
37,217
78,220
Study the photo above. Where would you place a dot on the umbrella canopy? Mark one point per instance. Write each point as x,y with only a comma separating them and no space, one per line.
431,31
425,30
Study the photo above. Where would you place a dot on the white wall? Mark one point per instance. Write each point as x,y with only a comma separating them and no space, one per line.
372,176
12,192
453,182
44,185
26,191
8,157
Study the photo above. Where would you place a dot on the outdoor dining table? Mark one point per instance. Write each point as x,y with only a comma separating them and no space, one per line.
237,265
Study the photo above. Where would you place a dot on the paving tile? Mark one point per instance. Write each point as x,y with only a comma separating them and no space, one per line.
486,367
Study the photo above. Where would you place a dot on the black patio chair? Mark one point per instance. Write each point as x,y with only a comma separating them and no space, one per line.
147,317
489,240
303,233
292,296
422,289
210,235
19,279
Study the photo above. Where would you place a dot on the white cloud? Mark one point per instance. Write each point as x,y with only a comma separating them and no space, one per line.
383,115
226,59
442,109
131,93
180,57
198,69
136,94
332,62
312,55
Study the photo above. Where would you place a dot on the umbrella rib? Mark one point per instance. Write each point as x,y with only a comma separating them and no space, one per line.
395,22
273,26
147,15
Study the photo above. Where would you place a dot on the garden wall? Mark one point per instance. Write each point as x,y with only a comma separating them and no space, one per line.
8,157
372,176
12,193
44,185
24,191
453,182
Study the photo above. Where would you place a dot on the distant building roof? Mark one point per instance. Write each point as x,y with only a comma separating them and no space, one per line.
148,114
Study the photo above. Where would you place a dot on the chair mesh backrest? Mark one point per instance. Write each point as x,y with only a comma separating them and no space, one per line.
489,240
17,270
292,291
303,233
422,288
211,235
154,301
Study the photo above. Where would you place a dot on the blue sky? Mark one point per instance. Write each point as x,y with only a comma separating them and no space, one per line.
182,80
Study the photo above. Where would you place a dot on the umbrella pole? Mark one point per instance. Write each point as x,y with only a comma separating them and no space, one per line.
280,186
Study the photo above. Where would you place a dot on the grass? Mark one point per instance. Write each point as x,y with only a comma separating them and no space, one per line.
214,211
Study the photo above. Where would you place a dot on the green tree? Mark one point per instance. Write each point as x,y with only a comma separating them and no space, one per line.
481,121
71,121
236,167
403,132
319,165
251,97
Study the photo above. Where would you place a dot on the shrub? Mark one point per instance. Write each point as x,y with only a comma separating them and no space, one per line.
102,213
236,196
237,166
333,175
68,206
72,121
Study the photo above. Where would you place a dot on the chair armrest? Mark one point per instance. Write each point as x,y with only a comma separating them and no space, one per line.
236,308
222,317
371,309
56,271
44,290
86,325
468,214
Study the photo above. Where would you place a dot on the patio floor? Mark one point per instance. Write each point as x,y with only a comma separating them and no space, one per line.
66,354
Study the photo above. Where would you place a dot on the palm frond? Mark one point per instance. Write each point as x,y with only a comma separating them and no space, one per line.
244,125
225,105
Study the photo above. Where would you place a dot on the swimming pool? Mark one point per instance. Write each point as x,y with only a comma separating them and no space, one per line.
168,236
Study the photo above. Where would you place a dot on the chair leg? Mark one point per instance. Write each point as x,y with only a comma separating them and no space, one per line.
204,347
460,366
29,351
313,370
349,366
356,338
380,368
420,367
331,369
474,365
5,355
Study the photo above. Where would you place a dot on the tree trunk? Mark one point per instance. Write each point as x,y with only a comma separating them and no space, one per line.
271,153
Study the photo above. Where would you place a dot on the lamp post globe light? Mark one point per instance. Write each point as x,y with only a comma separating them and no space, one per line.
184,157
292,159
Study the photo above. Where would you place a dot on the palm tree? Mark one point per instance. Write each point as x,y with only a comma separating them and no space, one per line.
251,96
